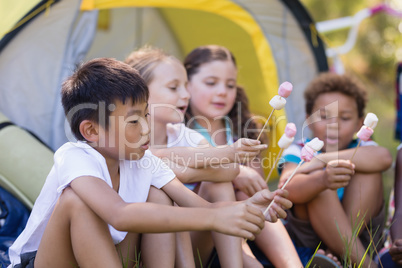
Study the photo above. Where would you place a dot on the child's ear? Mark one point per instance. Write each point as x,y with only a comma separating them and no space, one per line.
89,130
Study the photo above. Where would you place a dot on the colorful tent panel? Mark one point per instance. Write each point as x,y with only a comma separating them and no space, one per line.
43,41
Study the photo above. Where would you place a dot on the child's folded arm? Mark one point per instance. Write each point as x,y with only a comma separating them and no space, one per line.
219,173
185,197
207,155
303,187
130,217
237,219
368,159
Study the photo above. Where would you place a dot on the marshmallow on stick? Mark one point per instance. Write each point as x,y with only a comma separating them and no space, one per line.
307,153
278,101
365,132
284,142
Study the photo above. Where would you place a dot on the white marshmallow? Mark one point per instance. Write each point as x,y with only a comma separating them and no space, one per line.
284,142
277,102
371,120
316,144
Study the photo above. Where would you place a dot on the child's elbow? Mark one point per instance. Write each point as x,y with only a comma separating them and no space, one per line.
386,159
235,171
119,222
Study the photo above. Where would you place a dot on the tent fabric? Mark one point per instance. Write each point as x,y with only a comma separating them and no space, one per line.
76,50
13,19
293,58
270,39
30,71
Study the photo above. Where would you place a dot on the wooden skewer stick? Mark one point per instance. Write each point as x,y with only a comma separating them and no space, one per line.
273,166
266,122
283,187
355,150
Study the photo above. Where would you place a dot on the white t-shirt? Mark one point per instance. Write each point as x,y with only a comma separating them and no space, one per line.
181,136
178,135
74,160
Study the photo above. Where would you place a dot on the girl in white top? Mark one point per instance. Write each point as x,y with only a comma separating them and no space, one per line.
211,168
216,99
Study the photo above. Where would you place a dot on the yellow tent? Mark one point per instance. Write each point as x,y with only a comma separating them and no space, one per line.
42,41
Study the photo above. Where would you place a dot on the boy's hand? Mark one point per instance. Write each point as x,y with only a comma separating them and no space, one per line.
396,251
338,173
249,181
244,149
238,219
263,198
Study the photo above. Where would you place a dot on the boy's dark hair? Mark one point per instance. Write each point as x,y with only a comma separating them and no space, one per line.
331,82
99,83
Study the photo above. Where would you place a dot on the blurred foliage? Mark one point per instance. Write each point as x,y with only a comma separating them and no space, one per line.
373,59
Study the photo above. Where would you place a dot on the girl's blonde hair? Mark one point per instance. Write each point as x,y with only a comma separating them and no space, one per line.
146,59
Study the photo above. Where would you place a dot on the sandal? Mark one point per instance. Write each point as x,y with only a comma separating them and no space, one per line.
322,261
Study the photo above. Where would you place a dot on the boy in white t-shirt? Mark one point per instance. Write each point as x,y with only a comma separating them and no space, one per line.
93,203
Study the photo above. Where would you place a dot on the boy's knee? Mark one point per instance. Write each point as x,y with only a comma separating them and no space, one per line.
213,191
327,194
218,187
70,200
159,197
366,183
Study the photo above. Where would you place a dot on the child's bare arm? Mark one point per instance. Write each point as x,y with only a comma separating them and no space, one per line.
184,197
221,173
205,154
396,229
305,187
263,198
396,251
249,181
368,159
237,219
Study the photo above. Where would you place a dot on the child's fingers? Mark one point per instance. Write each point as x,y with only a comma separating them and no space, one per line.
271,215
341,163
342,170
281,192
247,235
249,142
341,178
252,223
283,202
279,210
255,217
255,148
